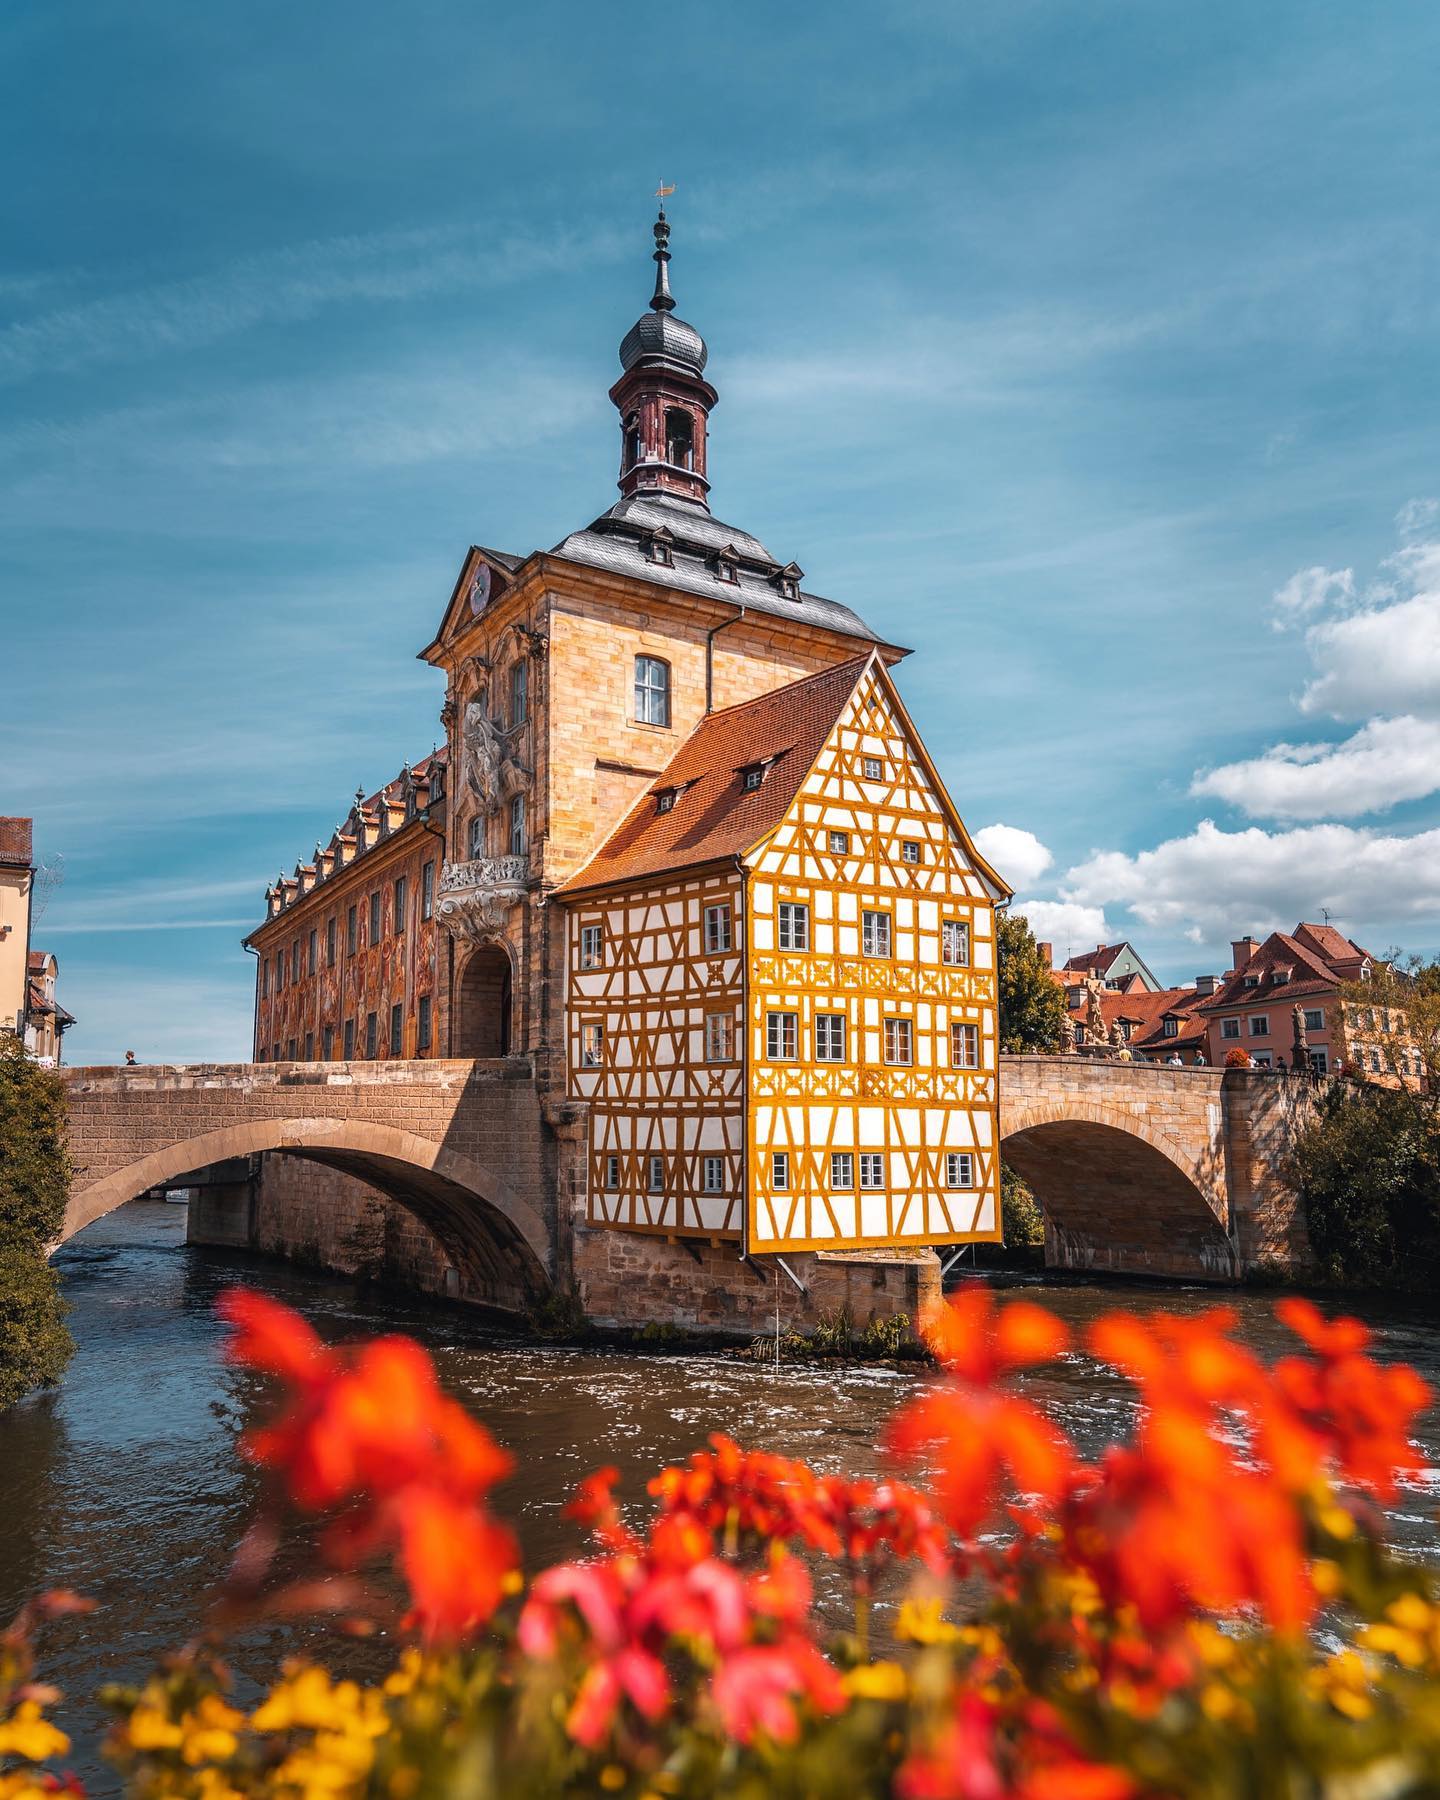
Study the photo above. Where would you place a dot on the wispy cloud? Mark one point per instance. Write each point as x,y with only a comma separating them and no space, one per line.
286,285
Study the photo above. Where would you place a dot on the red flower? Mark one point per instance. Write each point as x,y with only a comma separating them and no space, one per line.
454,1560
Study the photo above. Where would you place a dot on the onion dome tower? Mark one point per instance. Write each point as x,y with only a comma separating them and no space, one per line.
663,398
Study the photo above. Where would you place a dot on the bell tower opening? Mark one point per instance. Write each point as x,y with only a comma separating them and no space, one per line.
663,397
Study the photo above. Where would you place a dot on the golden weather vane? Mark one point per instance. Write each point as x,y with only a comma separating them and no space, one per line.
663,193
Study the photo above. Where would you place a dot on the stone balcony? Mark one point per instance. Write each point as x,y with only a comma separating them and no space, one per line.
475,896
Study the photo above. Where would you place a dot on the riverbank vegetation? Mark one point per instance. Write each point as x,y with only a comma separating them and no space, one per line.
34,1183
1367,1160
1048,1628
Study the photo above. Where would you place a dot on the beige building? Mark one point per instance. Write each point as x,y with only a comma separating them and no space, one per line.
17,887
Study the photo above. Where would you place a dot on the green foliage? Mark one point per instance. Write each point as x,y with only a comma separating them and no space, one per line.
1368,1170
34,1183
559,1317
1032,1002
1023,1222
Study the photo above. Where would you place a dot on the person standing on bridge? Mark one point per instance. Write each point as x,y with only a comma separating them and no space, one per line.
129,1059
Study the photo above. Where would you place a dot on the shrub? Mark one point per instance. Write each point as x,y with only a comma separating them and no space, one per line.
1135,1626
34,1184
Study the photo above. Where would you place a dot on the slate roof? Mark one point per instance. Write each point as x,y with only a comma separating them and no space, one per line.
714,817
616,542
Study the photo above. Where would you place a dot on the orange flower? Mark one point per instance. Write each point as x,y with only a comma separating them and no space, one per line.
980,1343
454,1560
270,1337
984,1442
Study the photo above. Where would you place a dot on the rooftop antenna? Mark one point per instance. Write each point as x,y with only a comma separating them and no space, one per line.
1325,914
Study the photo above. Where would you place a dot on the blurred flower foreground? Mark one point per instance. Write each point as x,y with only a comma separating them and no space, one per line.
1208,1610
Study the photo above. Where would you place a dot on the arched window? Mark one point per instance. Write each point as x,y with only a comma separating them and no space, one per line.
679,438
517,825
632,440
652,691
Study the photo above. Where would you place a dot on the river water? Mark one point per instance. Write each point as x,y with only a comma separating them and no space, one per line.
124,1483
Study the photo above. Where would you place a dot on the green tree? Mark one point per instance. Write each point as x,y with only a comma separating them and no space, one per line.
34,1183
1032,1002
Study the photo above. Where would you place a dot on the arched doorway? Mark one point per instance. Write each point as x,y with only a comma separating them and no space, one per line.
482,1028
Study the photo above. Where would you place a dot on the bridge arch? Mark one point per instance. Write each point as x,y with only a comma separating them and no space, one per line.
482,1224
1117,1191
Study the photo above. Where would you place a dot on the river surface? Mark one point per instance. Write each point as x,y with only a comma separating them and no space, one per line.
124,1483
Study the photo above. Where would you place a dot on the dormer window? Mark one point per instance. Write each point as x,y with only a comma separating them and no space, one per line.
679,438
1281,976
727,564
658,548
1171,1028
437,782
751,777
786,581
665,799
1251,981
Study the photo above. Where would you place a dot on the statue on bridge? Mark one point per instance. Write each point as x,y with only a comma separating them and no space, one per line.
1300,1043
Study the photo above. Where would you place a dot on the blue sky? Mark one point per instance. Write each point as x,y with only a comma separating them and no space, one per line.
1091,350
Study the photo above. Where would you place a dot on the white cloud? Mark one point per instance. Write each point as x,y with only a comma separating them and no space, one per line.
1385,762
1416,517
1310,591
1215,884
1016,855
1066,924
1383,659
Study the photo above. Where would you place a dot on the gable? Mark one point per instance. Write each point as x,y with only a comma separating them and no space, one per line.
484,576
873,779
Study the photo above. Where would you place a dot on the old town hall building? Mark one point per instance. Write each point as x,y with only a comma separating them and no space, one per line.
682,859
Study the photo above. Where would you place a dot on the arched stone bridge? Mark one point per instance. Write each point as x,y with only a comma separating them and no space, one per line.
1138,1169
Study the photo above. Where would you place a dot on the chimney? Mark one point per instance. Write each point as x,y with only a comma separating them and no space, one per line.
1047,954
1205,985
1241,950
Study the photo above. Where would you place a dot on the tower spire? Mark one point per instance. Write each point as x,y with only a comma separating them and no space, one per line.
662,300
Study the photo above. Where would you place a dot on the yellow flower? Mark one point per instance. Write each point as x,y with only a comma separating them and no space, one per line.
148,1728
877,1681
1344,1681
612,1778
923,1622
28,1733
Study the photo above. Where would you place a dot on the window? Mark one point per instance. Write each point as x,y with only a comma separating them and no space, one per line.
279,971
714,1174
477,838
1251,981
422,1024
964,1046
1282,976
872,1169
632,439
874,768
727,567
656,1180
955,943
612,1173
402,888
665,800
519,692
779,1169
717,929
312,957
592,946
829,1037
1259,1025
295,961
592,1046
781,1035
1229,1028
329,943
327,1042
1261,1059
349,1040
1171,1028
1375,1062
436,772
1314,1020
352,932
839,843
309,1046
842,1169
397,1030
517,825
875,933
751,778
898,1045
275,1057
372,1032
909,850
794,926
959,1169
375,917
719,1037
657,548
290,1050
1320,1063
427,891
264,977
679,438
652,691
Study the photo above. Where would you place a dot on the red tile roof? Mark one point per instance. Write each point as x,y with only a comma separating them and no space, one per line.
16,843
1313,971
1094,962
714,817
